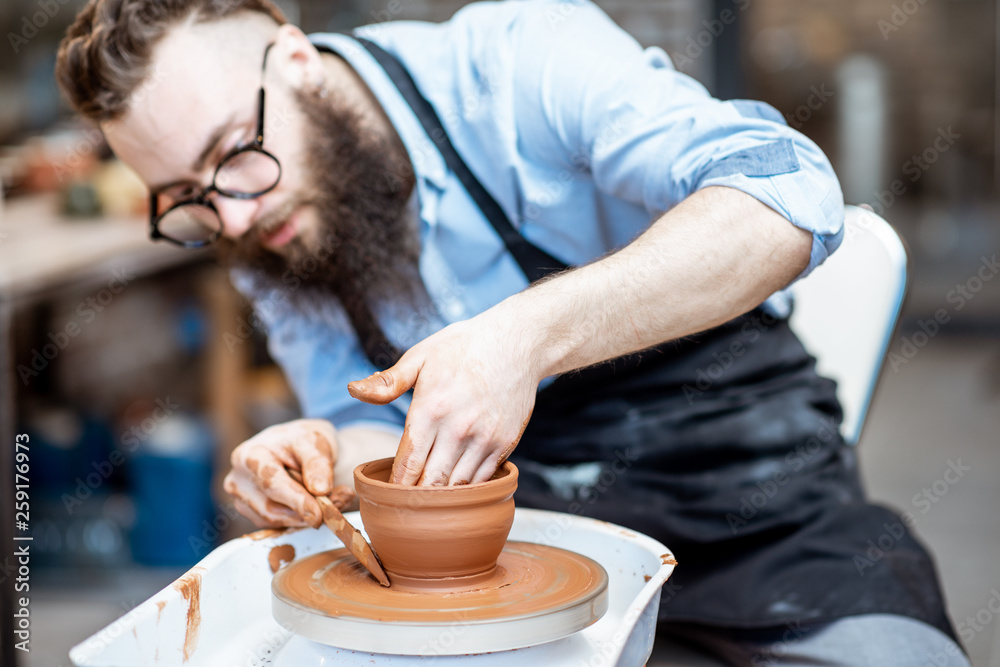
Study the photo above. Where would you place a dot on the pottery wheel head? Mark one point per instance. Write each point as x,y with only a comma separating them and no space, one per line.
536,593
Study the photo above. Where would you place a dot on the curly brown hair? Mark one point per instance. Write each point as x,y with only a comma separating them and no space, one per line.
105,55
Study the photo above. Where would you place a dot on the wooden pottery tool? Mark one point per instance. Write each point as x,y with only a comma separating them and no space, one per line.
348,534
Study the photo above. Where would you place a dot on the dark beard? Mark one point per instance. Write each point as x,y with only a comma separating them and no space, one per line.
370,246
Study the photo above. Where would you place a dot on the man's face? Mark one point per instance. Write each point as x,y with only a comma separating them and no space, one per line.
341,196
200,102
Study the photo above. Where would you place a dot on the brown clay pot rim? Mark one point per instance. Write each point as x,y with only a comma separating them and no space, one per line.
361,478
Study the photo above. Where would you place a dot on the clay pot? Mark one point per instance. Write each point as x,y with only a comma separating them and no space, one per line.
436,537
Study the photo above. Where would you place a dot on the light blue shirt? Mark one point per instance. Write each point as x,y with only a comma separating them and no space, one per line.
583,138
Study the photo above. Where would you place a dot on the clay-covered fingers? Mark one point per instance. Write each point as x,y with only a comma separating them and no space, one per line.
468,447
473,386
464,470
251,501
248,512
343,497
388,385
440,464
263,483
255,518
408,464
259,477
488,468
459,449
314,454
480,458
453,461
493,462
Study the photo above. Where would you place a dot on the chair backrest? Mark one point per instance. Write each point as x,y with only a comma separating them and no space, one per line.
846,310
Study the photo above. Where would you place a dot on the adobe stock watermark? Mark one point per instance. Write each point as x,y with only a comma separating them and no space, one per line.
773,654
898,17
454,116
915,168
205,541
892,533
391,10
444,642
753,502
270,641
103,639
814,102
556,13
92,139
705,378
958,297
581,161
938,489
291,280
86,311
585,494
606,653
710,30
130,441
973,624
30,25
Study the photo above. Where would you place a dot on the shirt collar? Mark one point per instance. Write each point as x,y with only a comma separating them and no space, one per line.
428,163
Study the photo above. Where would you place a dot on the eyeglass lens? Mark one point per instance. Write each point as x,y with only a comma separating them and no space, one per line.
191,223
247,174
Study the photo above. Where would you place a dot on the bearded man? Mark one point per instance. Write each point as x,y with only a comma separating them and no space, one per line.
509,197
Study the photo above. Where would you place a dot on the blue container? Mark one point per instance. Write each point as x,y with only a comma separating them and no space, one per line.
171,476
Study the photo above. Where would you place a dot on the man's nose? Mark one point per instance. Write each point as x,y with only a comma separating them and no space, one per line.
237,215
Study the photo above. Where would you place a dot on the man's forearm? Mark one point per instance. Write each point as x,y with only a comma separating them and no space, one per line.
717,255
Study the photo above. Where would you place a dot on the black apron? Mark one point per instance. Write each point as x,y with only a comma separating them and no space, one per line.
725,447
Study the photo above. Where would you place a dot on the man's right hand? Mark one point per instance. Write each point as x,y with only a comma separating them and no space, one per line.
261,487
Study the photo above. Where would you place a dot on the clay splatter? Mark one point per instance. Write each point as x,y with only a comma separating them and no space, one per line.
280,555
266,533
189,586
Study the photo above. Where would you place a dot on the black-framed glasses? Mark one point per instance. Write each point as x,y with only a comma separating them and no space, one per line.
245,172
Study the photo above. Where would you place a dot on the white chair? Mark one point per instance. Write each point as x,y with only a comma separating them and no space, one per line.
846,311
845,314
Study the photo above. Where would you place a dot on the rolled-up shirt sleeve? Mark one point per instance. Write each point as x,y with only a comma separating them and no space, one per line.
319,354
654,136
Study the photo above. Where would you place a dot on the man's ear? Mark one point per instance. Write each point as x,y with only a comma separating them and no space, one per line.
298,61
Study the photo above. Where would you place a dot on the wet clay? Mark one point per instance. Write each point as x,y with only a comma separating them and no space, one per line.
342,497
189,586
279,555
424,535
267,532
529,579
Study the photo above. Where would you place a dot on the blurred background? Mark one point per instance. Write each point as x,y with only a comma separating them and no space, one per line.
135,368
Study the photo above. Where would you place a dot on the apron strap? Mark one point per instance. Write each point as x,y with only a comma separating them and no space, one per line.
534,262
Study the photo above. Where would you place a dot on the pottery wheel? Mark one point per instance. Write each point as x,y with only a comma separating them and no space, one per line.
536,594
